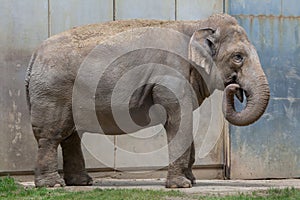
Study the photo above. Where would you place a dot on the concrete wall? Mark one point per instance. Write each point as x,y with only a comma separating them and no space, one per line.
24,24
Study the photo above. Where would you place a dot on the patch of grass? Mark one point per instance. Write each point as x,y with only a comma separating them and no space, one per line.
9,190
7,184
126,194
272,194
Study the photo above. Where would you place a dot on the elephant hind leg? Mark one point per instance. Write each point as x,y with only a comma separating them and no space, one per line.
188,172
46,174
51,123
73,161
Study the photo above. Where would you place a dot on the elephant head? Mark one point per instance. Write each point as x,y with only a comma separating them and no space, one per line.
223,50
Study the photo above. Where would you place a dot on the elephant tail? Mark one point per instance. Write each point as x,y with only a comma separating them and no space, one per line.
27,78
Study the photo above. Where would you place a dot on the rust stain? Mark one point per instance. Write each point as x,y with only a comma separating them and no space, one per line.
277,28
271,31
281,32
262,33
268,16
251,25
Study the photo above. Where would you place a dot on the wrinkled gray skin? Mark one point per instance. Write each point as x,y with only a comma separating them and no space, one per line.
52,72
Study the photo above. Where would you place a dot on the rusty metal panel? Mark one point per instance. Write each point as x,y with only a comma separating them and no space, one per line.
254,7
155,9
197,9
290,8
270,147
23,26
67,14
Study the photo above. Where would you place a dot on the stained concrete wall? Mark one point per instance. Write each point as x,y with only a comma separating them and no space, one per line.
25,24
19,35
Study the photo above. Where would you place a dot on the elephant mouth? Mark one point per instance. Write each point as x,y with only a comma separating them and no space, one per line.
240,93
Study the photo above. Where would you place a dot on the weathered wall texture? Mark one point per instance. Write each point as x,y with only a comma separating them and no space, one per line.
24,24
19,35
270,147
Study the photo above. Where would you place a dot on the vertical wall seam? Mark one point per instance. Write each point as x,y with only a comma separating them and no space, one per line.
115,152
281,7
49,19
226,149
114,10
224,6
175,1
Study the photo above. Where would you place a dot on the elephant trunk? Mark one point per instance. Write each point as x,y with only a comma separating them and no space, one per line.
257,95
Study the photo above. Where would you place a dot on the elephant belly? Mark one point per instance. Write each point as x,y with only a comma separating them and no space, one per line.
128,114
123,121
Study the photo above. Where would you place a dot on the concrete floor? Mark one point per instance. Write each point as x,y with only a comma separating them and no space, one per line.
218,187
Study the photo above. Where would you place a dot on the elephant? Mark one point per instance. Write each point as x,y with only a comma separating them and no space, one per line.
219,56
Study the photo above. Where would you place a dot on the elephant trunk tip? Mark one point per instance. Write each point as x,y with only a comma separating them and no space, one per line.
257,101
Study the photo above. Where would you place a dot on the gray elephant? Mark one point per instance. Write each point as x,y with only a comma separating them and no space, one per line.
220,56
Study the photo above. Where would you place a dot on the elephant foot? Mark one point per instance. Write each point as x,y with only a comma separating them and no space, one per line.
49,180
178,182
82,179
189,174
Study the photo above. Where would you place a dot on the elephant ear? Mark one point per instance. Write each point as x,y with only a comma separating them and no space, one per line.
203,47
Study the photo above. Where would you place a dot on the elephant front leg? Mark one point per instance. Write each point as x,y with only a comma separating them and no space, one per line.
74,165
179,129
179,170
46,174
181,152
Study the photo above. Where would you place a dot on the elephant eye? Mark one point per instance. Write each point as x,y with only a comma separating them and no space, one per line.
238,58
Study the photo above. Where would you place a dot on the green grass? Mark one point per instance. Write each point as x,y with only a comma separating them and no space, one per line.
272,194
11,190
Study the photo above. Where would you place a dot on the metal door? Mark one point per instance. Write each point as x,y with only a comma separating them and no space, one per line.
270,147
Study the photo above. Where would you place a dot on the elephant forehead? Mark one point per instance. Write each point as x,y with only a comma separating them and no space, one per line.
235,42
234,34
237,47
